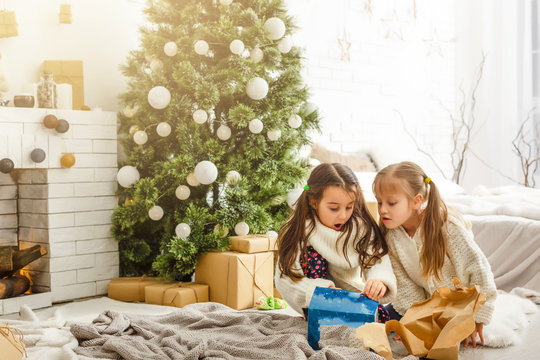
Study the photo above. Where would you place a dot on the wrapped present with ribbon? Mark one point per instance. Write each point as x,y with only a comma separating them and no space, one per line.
178,294
338,307
252,243
8,24
130,288
235,279
68,72
11,343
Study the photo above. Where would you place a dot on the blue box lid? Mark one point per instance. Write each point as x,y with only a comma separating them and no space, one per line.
338,307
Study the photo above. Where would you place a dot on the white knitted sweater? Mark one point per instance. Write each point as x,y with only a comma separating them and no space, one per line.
340,274
464,260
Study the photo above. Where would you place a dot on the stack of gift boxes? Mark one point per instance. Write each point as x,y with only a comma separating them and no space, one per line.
236,278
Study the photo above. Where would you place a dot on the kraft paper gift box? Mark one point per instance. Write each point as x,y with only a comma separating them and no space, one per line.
8,24
11,343
130,288
338,307
177,294
252,243
68,72
235,279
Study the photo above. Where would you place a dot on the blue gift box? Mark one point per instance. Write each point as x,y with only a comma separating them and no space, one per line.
338,307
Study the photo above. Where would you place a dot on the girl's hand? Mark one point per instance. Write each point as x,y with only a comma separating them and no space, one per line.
375,289
472,337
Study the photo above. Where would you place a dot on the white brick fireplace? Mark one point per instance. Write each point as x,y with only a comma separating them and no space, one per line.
66,210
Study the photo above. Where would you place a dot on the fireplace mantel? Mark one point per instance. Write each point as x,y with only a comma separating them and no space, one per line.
66,210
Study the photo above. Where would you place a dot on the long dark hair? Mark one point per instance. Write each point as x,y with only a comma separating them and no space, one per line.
410,179
369,242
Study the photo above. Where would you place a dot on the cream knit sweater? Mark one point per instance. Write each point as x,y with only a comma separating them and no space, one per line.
340,274
464,260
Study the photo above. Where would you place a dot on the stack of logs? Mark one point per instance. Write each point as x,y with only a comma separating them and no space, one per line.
11,261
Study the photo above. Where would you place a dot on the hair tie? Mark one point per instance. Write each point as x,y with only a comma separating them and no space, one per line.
427,180
306,187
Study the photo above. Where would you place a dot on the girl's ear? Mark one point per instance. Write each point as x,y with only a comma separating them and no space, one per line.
313,204
417,201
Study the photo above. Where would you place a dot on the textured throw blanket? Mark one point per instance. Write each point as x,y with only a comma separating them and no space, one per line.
211,331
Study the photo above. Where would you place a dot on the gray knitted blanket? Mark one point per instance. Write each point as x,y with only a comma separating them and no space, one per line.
211,331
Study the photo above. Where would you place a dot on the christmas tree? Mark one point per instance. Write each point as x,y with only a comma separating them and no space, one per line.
213,120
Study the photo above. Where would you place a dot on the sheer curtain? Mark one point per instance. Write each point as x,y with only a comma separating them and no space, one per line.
501,30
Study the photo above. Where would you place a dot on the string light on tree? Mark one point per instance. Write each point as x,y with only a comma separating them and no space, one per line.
140,137
182,230
295,121
236,47
127,176
159,97
206,172
163,129
200,116
182,192
233,177
155,213
285,45
256,126
224,132
275,28
274,134
257,88
241,229
256,54
192,180
170,48
201,47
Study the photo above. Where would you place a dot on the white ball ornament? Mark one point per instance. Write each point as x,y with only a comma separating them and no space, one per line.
284,45
127,176
182,230
275,28
156,65
140,137
170,48
256,54
192,180
225,2
224,132
274,134
200,116
219,228
129,111
256,126
272,234
206,172
182,192
201,47
257,88
163,129
233,177
241,229
236,47
295,121
155,213
159,97
133,129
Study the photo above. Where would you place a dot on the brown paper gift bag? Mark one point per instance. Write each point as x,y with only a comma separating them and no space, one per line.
177,294
434,328
130,288
11,343
237,280
252,243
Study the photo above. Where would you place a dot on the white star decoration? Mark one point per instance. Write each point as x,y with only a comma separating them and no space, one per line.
345,46
393,27
434,44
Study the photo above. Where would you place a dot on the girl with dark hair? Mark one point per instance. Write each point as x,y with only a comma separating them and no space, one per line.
331,240
428,244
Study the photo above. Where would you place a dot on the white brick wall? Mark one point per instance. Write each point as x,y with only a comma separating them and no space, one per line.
67,211
358,100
